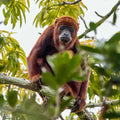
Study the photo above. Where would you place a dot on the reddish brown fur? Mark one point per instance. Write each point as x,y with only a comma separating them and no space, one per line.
49,44
66,21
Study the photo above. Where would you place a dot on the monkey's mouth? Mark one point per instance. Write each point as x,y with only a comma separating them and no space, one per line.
64,40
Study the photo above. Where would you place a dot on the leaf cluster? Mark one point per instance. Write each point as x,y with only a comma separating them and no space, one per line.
52,9
10,54
105,73
10,106
15,11
65,69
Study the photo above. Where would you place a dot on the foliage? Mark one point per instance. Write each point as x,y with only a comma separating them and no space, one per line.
10,54
14,10
52,9
105,64
12,94
28,107
59,63
102,59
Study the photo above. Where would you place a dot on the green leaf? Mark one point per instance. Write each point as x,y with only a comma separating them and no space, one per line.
12,98
7,16
114,38
49,80
28,2
4,12
65,103
81,11
111,114
20,17
90,49
93,26
100,70
1,100
75,61
65,68
33,111
61,67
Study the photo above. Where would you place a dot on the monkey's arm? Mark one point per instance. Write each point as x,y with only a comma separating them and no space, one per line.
36,57
33,66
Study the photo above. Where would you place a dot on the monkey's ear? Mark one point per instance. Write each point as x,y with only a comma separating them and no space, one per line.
56,21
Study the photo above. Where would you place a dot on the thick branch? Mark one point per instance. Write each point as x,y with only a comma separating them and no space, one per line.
23,83
26,84
102,20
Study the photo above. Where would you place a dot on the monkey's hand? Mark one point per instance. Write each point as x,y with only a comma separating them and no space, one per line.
79,104
37,79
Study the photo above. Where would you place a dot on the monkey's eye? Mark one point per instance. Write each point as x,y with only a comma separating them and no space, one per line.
72,30
62,27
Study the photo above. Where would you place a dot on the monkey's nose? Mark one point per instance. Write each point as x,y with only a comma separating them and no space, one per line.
66,35
64,39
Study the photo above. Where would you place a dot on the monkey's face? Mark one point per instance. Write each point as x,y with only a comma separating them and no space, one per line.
65,33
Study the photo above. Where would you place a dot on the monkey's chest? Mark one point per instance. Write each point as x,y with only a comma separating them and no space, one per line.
50,50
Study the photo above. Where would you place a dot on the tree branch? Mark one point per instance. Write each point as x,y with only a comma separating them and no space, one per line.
20,82
1,22
70,3
85,115
99,15
83,21
24,83
114,102
102,20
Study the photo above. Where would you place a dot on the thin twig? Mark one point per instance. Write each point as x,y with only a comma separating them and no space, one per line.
61,117
85,115
57,106
83,22
70,3
102,20
1,22
99,15
113,103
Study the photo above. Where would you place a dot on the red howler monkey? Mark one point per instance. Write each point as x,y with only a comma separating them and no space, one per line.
61,34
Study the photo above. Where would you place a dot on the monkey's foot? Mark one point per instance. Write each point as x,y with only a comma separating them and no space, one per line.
79,104
36,79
